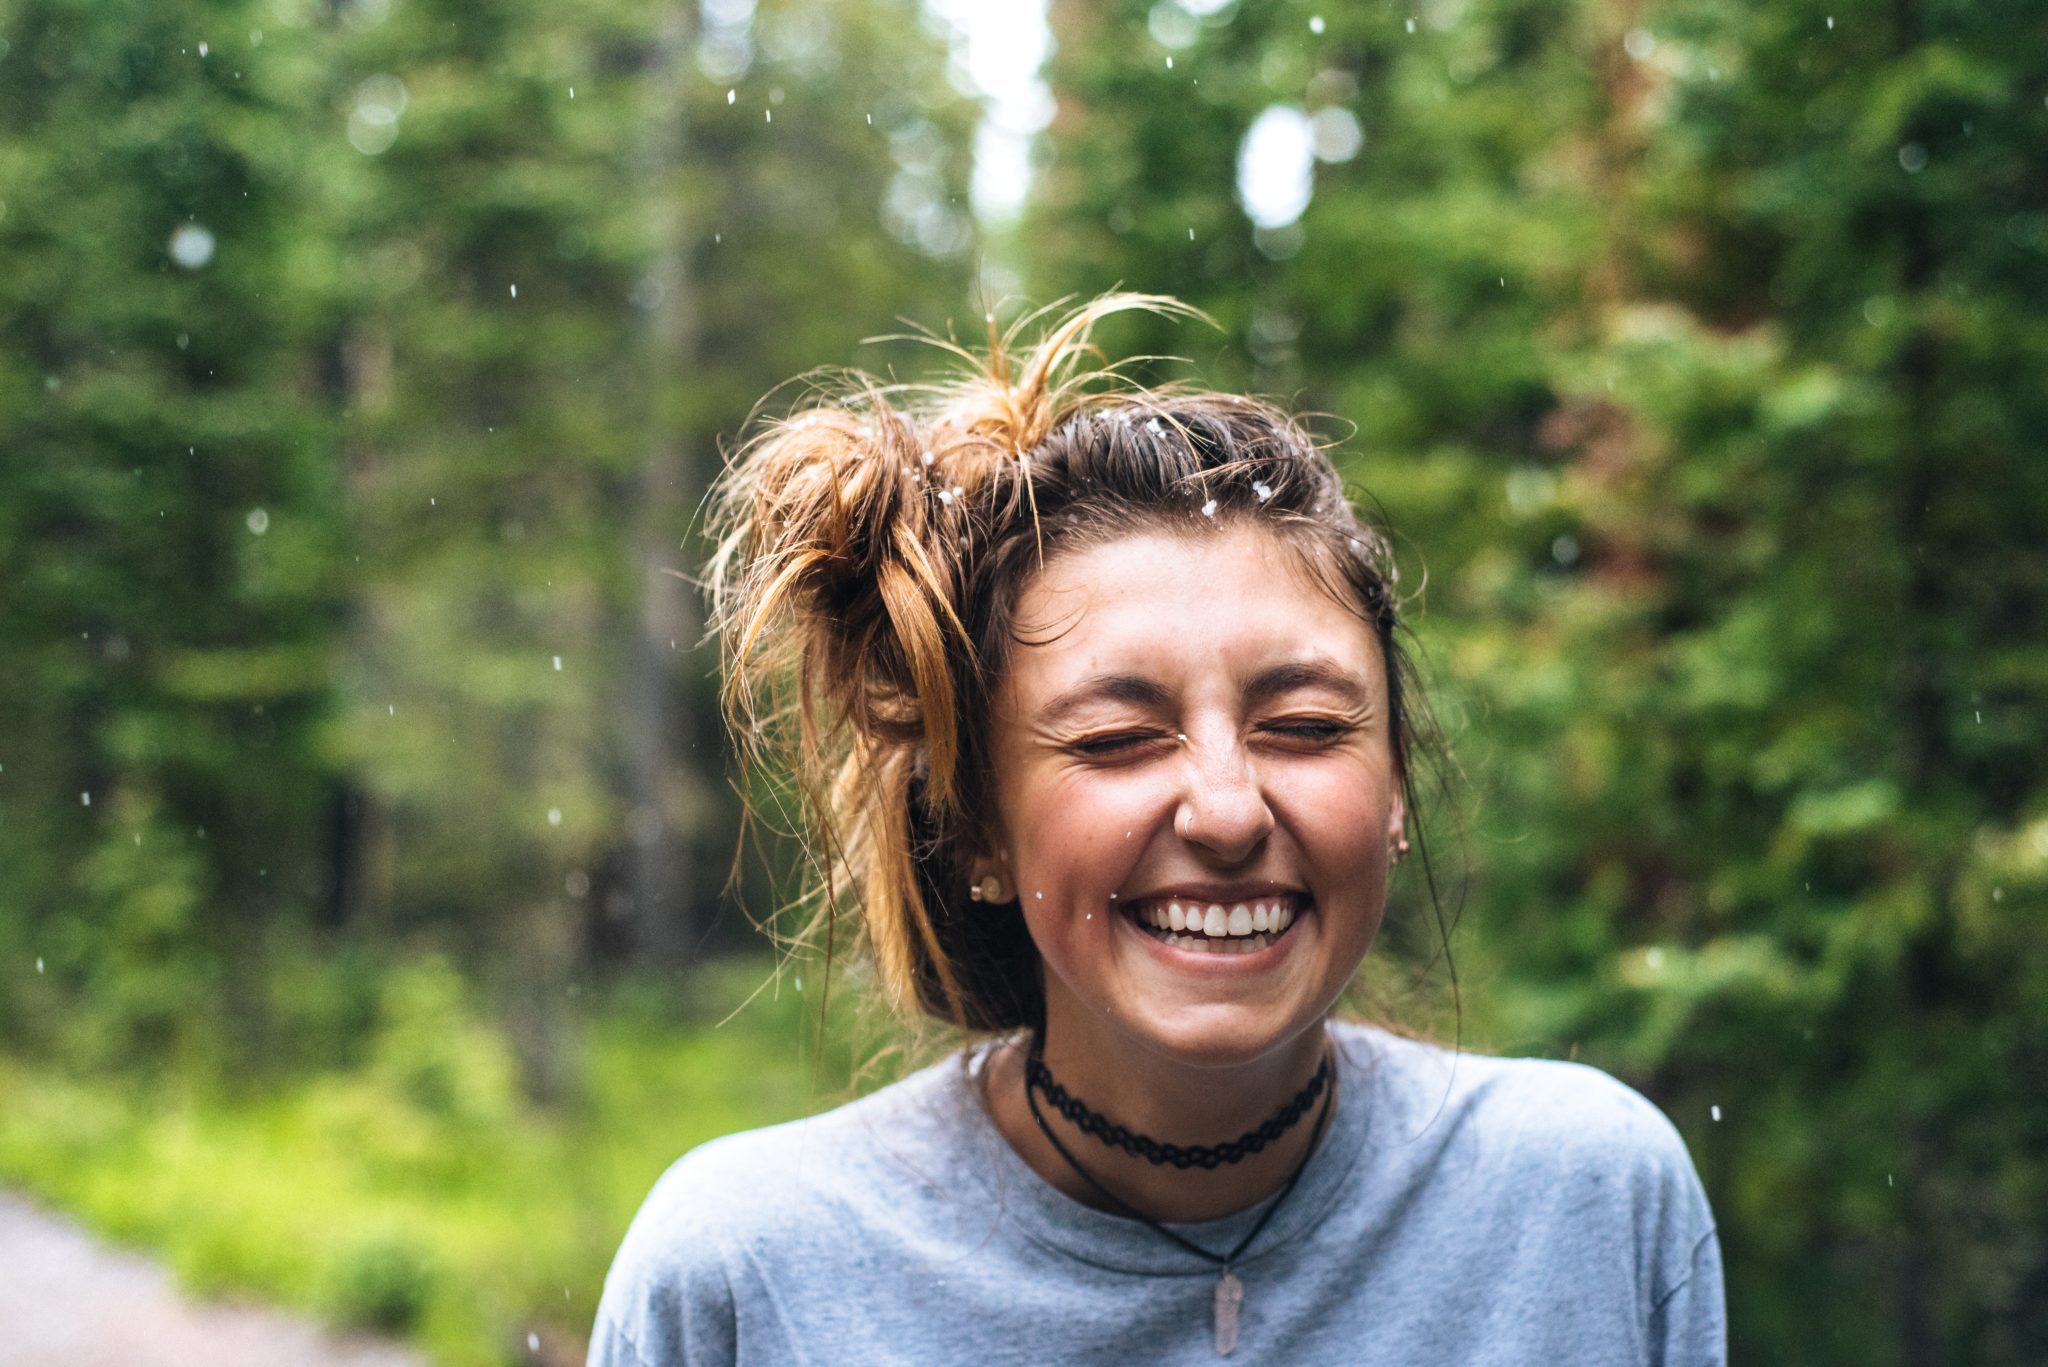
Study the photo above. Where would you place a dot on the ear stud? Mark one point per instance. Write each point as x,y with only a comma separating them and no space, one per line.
989,889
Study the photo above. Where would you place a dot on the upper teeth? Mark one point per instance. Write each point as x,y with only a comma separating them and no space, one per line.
1214,918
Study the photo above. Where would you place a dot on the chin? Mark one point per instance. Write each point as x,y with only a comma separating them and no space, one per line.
1219,1037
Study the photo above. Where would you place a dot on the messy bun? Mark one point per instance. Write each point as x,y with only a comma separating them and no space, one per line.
870,550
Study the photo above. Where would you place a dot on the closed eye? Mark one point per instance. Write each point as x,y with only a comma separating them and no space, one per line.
1309,729
1112,745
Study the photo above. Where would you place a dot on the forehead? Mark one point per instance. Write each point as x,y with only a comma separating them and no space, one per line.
1226,602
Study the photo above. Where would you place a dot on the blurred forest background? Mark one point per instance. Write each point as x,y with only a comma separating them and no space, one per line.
364,819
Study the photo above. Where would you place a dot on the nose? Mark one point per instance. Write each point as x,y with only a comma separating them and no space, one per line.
1224,809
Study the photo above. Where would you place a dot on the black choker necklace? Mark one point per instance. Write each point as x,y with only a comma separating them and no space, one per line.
1228,1298
1205,1156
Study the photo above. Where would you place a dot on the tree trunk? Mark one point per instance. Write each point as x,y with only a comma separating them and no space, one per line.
665,798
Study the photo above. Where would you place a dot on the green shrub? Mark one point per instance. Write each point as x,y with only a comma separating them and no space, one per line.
383,1283
433,1049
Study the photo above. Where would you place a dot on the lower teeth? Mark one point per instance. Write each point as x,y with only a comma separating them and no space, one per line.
1211,944
1244,944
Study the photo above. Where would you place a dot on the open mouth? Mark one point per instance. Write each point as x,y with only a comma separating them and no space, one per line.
1217,927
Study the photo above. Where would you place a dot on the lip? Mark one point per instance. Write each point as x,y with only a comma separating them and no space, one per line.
1226,893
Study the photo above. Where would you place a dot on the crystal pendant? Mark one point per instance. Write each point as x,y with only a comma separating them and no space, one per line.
1229,1296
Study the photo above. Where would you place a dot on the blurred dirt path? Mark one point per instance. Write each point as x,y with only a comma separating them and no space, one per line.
68,1300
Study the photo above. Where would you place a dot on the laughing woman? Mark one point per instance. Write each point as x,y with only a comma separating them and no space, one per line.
1110,739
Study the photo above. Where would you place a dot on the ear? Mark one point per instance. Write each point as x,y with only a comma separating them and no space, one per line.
1397,817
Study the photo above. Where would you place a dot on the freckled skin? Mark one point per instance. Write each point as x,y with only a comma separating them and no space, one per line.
1214,785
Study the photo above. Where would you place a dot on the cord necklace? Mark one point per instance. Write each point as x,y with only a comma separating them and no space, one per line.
1229,1296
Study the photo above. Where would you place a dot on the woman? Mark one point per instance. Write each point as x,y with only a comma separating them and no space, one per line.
1097,698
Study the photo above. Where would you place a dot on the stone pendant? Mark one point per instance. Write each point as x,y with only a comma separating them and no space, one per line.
1229,1296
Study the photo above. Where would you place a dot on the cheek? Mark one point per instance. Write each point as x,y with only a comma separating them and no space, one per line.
1340,813
1082,820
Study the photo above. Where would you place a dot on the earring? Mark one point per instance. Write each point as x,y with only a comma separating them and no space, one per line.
989,889
1399,852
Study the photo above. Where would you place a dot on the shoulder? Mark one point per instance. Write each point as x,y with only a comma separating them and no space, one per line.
1561,1112
1542,1134
738,1205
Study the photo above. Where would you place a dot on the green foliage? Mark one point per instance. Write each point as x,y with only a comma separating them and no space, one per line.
432,1052
383,1283
404,1195
361,370
1687,347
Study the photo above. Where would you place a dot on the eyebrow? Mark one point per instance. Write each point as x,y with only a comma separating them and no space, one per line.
1266,685
1135,689
1320,672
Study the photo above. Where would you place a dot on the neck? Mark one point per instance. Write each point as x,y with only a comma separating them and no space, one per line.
1169,1101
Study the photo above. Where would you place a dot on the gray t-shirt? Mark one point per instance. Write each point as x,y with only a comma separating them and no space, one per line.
1460,1210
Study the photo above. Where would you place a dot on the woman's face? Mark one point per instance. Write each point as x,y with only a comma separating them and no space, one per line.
1194,723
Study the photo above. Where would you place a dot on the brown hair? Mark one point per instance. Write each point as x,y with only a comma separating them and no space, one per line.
871,551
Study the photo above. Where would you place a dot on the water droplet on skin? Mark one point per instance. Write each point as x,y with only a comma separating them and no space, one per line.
1040,896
